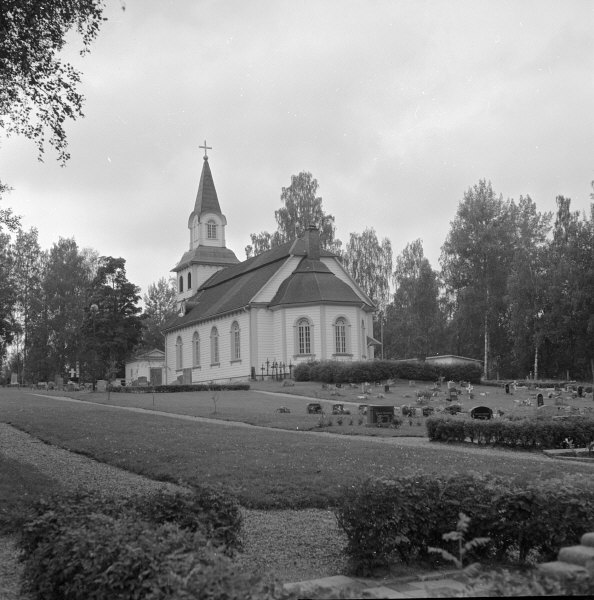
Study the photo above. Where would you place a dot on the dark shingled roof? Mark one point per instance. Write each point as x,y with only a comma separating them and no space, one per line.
206,198
312,281
211,255
234,287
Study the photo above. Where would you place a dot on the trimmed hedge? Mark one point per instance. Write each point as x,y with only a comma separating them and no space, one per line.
167,389
523,433
389,520
382,370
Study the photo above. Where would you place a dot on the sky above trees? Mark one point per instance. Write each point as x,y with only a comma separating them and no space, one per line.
396,108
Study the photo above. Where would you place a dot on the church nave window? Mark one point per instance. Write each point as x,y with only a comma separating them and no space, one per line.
303,337
211,230
178,354
214,346
235,341
189,281
181,283
196,350
340,336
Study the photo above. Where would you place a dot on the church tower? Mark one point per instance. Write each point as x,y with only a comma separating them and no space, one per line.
207,253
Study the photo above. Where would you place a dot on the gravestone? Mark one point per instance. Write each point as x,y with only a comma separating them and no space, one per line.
380,415
580,391
59,382
142,381
539,400
507,388
14,379
101,385
481,412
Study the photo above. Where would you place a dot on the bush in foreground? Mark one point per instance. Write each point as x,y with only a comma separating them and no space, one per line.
389,520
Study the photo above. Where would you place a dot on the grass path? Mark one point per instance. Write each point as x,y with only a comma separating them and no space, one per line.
413,441
267,468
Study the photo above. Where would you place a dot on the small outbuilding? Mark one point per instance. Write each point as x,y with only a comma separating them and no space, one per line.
148,367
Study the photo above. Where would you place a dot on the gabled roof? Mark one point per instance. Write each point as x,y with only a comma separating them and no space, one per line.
154,354
206,198
234,287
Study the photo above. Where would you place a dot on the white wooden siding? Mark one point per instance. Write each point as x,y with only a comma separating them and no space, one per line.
226,369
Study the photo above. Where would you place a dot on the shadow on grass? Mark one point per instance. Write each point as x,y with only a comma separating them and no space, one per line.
20,486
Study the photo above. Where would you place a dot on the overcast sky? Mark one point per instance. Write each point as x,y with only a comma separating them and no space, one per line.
395,107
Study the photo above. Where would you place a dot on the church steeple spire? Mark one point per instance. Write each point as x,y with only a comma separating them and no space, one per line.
206,198
208,252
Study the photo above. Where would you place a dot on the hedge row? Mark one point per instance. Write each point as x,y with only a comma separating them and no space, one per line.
156,547
525,433
382,370
389,520
166,389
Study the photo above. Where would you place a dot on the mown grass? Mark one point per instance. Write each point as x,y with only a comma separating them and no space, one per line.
265,468
20,484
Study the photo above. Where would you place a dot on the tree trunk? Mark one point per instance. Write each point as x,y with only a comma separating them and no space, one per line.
536,362
486,368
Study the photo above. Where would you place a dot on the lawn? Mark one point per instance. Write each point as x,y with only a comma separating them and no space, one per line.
266,468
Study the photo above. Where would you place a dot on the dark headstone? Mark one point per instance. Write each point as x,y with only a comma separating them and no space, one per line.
379,415
507,388
481,412
539,400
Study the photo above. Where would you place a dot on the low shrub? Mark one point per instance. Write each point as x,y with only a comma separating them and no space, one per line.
167,389
86,546
524,433
382,370
214,514
387,520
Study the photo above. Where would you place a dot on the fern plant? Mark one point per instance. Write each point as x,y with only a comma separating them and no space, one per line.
464,547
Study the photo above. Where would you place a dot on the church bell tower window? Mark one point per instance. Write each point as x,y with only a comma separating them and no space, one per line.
211,230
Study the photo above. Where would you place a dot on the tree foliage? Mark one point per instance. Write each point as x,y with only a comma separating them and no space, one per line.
38,90
159,306
114,329
301,208
369,262
414,318
475,260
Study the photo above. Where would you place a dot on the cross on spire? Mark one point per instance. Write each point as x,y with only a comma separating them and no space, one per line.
206,148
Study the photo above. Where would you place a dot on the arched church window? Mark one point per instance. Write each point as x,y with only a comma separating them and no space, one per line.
181,283
340,335
189,281
235,341
214,346
196,349
178,354
211,230
303,337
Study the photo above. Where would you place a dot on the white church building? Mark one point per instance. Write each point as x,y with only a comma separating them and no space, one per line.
288,305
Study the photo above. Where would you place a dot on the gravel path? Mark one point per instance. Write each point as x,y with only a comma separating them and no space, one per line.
294,545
